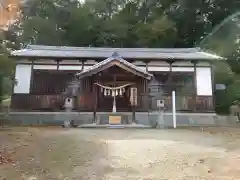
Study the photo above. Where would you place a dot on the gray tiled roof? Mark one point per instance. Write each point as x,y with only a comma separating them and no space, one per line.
115,56
126,53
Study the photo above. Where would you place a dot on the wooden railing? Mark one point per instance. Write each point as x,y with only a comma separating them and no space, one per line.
49,102
186,103
186,98
37,102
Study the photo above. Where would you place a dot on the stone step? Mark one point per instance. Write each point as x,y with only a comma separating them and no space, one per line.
121,126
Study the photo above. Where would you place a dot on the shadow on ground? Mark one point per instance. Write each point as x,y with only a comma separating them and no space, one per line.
49,153
80,154
220,137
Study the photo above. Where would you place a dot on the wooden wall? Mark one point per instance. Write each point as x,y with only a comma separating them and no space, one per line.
47,87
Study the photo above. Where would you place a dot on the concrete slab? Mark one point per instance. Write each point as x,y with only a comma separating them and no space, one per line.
147,119
113,126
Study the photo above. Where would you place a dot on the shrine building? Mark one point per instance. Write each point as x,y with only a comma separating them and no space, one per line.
46,74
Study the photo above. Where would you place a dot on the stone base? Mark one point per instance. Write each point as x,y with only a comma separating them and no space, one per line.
66,124
143,118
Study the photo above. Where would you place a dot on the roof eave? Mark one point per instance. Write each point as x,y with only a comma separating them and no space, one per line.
86,73
98,57
211,56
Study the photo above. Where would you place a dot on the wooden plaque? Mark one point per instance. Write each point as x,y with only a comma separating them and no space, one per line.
115,119
133,96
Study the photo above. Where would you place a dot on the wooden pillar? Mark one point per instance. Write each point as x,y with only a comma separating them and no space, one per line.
95,100
32,72
147,89
58,64
81,92
213,87
57,87
169,81
133,111
82,65
114,85
85,90
195,85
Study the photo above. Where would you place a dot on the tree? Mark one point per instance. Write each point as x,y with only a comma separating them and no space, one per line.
6,65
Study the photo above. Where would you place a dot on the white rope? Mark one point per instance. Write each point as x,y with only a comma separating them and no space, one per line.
113,88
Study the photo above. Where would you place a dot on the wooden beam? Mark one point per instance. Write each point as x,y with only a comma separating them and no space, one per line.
195,85
82,64
169,82
58,64
147,89
95,71
95,94
213,86
32,73
147,65
131,70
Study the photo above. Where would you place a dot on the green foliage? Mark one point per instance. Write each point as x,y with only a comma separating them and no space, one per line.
119,23
6,67
1,88
6,74
223,75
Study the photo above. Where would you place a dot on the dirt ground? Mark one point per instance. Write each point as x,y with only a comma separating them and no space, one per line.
114,154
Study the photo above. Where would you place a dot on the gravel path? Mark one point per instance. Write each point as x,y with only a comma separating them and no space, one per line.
114,154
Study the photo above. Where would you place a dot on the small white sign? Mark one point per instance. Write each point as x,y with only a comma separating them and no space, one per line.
68,103
160,103
220,86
